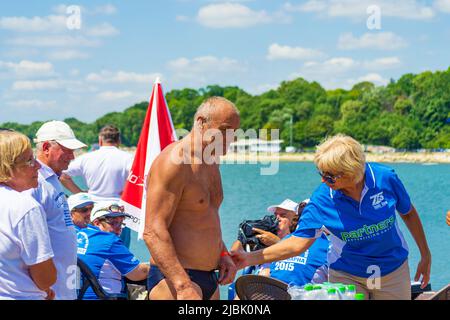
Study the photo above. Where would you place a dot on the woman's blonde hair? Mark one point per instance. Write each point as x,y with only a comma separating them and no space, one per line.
12,145
341,154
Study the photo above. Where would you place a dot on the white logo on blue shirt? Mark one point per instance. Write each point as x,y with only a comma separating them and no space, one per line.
378,201
82,242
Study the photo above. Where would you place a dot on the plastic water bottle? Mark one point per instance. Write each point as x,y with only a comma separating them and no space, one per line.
350,292
359,296
332,294
319,293
296,292
341,292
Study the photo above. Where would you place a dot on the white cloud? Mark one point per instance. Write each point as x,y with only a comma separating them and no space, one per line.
33,104
382,63
107,9
442,5
114,95
67,55
54,41
205,70
406,9
26,68
278,52
343,72
231,15
203,65
106,76
380,41
102,30
334,66
36,24
36,85
373,77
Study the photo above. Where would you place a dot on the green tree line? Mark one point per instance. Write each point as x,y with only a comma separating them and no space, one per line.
410,113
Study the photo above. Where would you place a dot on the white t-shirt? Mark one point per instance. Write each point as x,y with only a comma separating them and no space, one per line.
24,241
62,232
105,171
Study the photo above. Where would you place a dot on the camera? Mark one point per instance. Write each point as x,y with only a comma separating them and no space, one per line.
247,236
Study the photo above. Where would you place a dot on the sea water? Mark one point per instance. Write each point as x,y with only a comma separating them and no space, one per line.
247,194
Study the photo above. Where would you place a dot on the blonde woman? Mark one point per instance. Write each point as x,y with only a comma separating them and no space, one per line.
27,270
357,203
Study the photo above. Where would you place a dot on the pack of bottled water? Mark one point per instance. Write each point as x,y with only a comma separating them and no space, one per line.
325,291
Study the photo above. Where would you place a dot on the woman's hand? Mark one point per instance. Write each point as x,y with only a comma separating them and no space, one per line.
266,237
424,269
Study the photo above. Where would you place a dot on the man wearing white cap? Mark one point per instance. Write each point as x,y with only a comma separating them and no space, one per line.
101,249
55,143
80,206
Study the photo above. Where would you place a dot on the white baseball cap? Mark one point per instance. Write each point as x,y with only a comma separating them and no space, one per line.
61,133
287,204
107,209
79,200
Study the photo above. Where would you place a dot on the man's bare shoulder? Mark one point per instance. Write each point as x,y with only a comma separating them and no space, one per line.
167,165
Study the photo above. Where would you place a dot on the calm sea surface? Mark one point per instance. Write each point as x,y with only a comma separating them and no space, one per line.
248,194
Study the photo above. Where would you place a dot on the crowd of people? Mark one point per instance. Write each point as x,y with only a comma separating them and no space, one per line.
346,228
43,233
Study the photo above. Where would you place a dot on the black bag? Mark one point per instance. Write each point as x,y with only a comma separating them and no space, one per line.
247,236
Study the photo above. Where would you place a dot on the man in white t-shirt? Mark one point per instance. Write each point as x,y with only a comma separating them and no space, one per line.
55,142
105,171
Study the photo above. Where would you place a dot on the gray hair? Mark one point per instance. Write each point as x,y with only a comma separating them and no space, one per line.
210,105
40,145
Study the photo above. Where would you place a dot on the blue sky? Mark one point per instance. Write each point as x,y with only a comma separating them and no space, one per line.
48,71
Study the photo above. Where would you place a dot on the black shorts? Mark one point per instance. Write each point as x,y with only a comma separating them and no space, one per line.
207,280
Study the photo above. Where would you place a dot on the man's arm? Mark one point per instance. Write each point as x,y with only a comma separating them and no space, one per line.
282,250
166,182
43,274
68,183
227,268
414,225
139,273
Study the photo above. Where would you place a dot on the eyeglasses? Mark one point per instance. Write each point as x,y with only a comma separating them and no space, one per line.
84,209
32,163
330,178
114,223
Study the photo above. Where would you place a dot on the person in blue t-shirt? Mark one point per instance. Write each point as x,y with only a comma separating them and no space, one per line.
309,266
100,247
357,204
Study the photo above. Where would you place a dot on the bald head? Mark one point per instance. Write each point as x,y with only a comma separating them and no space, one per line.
216,109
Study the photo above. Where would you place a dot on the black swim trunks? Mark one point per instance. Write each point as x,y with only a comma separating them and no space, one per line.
207,280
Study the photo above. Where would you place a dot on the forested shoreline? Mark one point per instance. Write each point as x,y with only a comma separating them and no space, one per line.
410,113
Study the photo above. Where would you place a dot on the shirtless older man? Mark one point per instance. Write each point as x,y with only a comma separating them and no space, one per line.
182,226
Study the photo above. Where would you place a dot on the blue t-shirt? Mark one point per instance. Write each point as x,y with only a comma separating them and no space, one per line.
107,257
300,270
363,234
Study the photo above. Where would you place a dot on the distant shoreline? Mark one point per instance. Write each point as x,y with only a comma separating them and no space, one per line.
387,157
392,157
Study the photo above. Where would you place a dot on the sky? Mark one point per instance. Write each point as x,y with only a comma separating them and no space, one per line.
86,58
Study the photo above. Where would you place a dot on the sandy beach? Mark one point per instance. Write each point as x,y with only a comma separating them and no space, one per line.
406,157
386,157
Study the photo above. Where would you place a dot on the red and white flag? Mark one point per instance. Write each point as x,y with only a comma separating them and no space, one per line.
157,133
